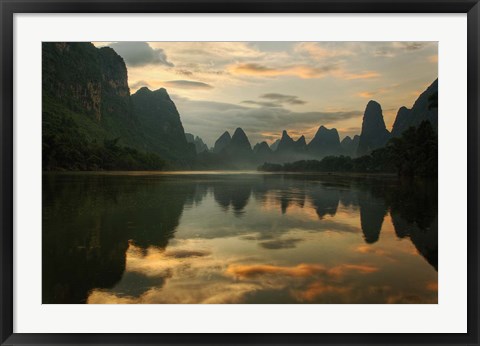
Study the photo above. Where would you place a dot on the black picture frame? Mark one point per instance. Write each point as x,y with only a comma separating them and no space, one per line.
9,7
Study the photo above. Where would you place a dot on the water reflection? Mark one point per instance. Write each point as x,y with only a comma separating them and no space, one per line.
226,238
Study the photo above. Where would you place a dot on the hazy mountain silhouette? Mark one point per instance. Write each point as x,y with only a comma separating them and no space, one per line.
239,148
325,142
262,152
350,146
274,145
301,145
200,146
222,142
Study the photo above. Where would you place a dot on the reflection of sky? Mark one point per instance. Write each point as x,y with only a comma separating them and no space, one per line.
262,254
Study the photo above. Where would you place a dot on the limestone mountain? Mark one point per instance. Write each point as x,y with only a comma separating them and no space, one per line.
374,132
262,152
161,125
90,87
222,142
350,145
325,142
301,145
424,108
239,146
286,144
262,147
274,145
200,146
189,137
90,120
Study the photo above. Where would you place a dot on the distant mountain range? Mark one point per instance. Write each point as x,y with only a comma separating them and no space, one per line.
85,90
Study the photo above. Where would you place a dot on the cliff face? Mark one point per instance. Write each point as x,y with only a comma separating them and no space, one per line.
424,108
374,132
85,89
89,85
160,123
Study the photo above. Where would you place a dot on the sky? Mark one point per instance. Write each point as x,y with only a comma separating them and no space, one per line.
268,87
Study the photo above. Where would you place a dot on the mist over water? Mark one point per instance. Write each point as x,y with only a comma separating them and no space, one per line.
230,237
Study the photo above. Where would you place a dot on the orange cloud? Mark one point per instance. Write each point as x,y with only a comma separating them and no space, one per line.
433,59
316,51
301,270
369,249
249,271
432,286
359,75
342,269
301,71
366,94
318,288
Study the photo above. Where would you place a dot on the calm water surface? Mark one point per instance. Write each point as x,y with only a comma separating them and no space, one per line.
237,238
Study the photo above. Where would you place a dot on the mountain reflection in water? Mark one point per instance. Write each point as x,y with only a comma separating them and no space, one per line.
238,238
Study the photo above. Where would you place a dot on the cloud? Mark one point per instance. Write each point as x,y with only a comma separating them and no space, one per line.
393,49
318,50
253,270
358,75
209,119
281,98
433,59
141,54
410,46
186,253
139,84
184,72
371,94
277,244
300,270
319,288
300,71
262,103
277,100
366,94
187,84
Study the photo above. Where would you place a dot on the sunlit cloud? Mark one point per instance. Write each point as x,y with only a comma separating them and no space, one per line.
139,84
281,98
300,71
318,50
319,288
371,94
357,75
368,249
433,59
187,84
301,270
261,103
249,271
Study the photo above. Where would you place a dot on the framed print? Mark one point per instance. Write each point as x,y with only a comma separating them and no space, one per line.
239,173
